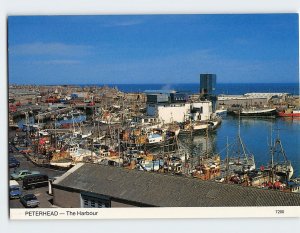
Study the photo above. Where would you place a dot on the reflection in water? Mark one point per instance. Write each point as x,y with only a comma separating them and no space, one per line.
256,134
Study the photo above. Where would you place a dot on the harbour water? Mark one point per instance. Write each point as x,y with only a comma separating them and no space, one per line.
255,134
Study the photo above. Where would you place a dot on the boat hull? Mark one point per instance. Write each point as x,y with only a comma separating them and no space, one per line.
283,114
257,113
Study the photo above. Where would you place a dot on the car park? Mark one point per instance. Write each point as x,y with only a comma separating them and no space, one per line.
13,162
22,173
35,181
14,189
29,200
10,150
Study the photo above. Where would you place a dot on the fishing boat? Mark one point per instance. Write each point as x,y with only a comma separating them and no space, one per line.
172,128
238,158
221,112
281,168
241,160
289,113
66,120
147,138
215,123
257,112
200,126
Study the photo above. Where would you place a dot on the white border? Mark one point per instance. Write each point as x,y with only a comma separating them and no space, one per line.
74,7
155,213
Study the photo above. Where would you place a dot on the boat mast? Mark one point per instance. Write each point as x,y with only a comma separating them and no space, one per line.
272,155
98,122
119,146
240,141
278,141
227,159
73,122
206,141
271,148
55,145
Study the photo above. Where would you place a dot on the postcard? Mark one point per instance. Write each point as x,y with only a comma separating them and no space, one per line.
153,116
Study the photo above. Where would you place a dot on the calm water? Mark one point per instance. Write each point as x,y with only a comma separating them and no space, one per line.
221,88
255,134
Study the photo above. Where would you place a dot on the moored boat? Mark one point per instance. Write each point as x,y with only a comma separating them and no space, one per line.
221,112
238,158
289,113
257,112
281,168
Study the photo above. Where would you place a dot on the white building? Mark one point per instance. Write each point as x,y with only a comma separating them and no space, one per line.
201,110
180,112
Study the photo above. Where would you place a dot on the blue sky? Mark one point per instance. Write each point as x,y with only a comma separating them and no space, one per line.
153,48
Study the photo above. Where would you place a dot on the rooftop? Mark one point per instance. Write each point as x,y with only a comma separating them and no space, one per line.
159,91
165,190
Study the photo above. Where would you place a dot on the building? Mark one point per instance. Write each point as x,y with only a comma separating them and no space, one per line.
180,112
169,106
227,101
208,83
267,95
98,186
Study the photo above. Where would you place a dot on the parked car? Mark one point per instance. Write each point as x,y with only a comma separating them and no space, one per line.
14,189
13,162
29,200
10,150
21,174
34,181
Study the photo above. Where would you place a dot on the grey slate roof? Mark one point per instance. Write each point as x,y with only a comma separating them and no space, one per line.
168,191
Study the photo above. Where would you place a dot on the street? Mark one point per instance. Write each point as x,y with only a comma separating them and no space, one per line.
42,192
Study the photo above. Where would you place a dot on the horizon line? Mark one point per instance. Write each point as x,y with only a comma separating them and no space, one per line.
90,84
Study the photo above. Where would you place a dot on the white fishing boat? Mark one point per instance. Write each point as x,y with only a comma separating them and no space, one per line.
221,112
78,154
155,138
195,127
239,159
280,166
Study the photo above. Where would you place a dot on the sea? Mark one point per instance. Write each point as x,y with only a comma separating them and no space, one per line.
221,88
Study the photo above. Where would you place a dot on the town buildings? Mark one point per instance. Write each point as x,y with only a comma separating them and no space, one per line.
171,106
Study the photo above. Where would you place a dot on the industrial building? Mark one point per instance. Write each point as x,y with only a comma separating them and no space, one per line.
170,106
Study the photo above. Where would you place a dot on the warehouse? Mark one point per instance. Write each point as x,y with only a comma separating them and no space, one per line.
93,185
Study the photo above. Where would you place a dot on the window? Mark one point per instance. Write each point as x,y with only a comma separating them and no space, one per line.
86,202
94,201
93,204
